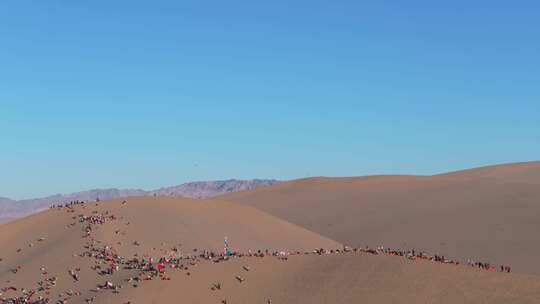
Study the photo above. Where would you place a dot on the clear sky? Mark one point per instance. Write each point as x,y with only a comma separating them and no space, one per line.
156,93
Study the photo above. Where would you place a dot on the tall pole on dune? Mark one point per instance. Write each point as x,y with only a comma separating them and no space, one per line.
226,246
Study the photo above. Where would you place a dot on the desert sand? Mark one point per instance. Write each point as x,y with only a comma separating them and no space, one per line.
101,252
490,213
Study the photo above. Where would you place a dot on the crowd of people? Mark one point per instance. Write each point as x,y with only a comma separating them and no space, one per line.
67,204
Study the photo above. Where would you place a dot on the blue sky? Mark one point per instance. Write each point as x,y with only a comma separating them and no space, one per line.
156,93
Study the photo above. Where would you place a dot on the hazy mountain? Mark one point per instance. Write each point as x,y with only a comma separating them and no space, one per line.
5,200
5,203
212,188
13,209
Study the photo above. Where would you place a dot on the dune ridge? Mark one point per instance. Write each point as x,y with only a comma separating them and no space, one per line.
490,213
12,209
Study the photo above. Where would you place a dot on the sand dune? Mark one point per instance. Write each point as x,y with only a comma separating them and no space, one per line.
154,220
526,172
52,241
46,246
337,279
490,213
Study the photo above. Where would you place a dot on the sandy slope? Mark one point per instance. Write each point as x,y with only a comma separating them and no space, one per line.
343,279
159,224
156,224
490,214
526,172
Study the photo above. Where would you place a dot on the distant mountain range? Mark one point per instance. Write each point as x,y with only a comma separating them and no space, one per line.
212,188
13,209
